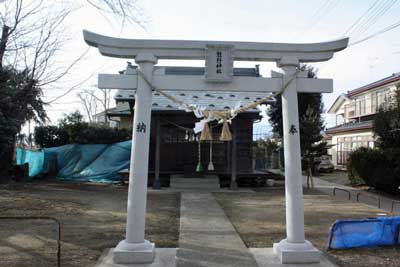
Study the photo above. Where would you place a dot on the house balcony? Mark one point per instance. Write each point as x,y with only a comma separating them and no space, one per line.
350,127
363,108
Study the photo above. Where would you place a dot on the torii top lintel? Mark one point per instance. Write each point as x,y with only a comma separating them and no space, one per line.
242,51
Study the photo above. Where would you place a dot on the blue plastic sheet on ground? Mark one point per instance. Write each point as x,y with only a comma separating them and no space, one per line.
380,231
96,163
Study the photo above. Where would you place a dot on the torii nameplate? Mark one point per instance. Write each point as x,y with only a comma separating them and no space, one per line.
219,63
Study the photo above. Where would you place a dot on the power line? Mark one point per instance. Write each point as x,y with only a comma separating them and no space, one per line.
321,12
346,33
367,19
389,28
384,30
379,14
65,103
321,8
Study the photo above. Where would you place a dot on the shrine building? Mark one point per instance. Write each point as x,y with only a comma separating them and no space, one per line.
179,148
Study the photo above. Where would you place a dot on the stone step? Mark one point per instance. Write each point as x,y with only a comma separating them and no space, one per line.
195,180
191,186
187,183
206,176
196,186
194,183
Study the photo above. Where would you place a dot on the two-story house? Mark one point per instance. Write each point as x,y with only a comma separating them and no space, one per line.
354,113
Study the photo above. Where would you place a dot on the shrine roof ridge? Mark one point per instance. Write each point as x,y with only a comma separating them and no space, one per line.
185,49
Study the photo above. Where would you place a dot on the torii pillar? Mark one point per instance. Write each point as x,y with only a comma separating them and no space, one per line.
219,57
293,249
134,248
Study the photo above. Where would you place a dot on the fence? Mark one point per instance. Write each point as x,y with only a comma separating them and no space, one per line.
43,218
362,195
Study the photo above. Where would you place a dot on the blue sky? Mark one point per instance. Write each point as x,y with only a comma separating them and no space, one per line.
238,20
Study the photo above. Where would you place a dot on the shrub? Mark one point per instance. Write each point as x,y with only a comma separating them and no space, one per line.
81,133
386,124
49,136
377,168
100,134
72,129
380,167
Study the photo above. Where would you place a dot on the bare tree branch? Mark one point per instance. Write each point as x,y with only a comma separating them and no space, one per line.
104,100
127,10
34,33
89,103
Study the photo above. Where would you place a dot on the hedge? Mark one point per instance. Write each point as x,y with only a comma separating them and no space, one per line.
376,168
79,133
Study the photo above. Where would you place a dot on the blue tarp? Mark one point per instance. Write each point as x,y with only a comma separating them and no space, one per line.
34,158
97,163
380,231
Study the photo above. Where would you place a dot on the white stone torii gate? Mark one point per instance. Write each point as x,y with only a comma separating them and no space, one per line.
219,58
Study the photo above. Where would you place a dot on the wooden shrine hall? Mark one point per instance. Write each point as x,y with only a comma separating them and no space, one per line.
174,149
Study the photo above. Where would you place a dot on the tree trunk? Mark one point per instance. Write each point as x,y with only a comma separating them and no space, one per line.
3,43
310,176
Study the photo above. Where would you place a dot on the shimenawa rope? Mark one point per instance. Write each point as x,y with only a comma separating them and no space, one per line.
223,116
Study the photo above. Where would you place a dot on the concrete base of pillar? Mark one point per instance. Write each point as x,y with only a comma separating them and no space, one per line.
296,252
129,253
164,257
265,257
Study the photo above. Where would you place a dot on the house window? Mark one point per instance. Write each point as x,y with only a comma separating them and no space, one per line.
347,144
380,99
360,105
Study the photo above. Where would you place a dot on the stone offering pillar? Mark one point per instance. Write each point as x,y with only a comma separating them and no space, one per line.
293,249
135,249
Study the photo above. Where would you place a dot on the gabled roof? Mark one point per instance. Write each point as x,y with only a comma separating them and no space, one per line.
122,109
101,113
341,98
338,103
387,80
213,100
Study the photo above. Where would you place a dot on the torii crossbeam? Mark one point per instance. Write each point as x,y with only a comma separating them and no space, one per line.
219,57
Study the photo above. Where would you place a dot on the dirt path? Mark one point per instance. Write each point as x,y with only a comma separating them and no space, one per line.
92,217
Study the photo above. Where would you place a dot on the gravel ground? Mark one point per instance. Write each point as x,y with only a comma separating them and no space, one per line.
92,216
93,219
259,219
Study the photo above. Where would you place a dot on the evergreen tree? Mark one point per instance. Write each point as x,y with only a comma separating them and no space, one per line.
386,124
311,122
20,101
